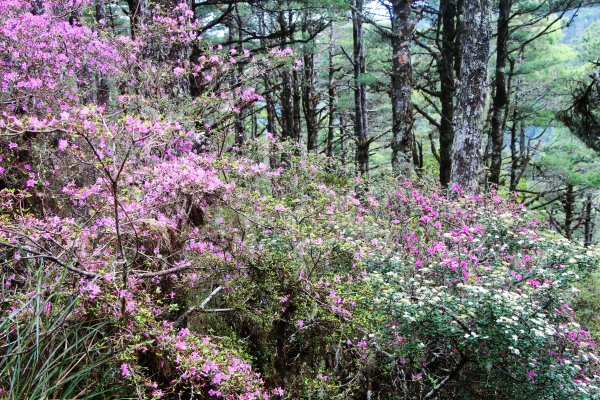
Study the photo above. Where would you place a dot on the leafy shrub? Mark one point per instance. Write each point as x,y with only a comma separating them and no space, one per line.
145,256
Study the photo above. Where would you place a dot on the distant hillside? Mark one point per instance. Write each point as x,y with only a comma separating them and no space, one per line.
585,17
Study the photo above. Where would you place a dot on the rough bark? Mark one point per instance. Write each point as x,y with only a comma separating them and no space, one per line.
360,90
500,93
447,66
471,96
402,112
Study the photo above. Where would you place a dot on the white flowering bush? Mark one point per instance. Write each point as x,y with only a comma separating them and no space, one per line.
474,298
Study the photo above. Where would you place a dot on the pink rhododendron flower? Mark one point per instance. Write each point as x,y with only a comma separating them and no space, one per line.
125,370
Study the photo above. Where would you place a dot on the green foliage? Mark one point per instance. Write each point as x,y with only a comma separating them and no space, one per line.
588,303
570,160
47,354
590,43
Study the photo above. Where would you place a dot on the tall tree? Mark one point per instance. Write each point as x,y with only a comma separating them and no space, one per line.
360,89
448,67
331,93
287,97
235,27
310,96
401,90
471,96
500,92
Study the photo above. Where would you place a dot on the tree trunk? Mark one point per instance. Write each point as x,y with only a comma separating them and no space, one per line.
100,14
296,89
446,68
287,107
138,9
342,140
102,88
500,93
588,222
569,204
471,96
402,112
269,100
360,90
310,99
296,106
309,102
235,34
514,154
331,96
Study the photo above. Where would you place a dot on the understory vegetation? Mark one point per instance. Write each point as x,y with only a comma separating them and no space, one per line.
149,250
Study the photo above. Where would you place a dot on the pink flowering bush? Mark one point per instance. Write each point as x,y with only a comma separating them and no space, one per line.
480,290
148,252
226,277
47,62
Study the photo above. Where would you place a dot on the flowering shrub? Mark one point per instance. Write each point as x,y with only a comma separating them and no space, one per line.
329,288
47,62
174,260
480,290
